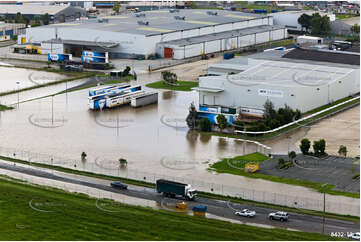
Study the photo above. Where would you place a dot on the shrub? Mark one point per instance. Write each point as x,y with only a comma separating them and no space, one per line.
222,122
305,146
355,176
83,155
169,77
292,155
205,125
342,150
192,117
281,162
123,162
238,125
126,71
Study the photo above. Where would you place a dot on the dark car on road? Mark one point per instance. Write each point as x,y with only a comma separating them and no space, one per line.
282,216
119,185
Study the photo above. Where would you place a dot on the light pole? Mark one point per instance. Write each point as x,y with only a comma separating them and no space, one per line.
324,207
52,109
18,83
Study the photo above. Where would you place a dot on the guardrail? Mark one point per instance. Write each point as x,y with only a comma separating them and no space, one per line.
297,121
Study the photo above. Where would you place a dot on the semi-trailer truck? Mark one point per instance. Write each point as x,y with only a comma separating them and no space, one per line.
172,189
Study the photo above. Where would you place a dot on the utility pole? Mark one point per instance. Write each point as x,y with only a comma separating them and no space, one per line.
324,208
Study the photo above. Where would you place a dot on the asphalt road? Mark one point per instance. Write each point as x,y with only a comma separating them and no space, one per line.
297,221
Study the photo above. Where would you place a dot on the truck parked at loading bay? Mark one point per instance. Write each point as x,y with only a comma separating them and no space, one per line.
172,189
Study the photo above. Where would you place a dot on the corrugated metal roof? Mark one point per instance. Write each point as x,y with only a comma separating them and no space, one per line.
221,35
161,19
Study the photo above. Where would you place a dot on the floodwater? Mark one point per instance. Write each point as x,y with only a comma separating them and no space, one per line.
153,139
19,78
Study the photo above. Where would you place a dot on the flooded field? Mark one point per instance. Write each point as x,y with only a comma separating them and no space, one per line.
18,78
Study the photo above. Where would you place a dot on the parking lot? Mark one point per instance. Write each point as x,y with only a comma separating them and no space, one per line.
331,170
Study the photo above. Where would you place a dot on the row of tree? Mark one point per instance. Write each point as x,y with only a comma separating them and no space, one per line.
273,118
21,19
315,24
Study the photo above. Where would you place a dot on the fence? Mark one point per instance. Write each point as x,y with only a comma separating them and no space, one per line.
111,168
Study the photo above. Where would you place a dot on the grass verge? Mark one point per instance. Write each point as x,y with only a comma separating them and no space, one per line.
4,107
181,85
201,194
76,217
235,166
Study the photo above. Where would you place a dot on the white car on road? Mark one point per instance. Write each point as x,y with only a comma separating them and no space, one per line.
245,213
354,236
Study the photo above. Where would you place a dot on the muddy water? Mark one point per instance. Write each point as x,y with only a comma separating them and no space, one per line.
17,78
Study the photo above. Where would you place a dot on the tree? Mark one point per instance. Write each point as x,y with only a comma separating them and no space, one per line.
83,155
192,117
355,29
305,21
222,121
126,71
169,77
319,147
45,18
298,114
205,125
116,7
342,150
292,155
269,110
320,24
305,146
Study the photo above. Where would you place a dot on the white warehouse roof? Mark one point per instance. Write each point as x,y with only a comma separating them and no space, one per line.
287,74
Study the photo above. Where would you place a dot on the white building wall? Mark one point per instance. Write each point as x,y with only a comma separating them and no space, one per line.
190,33
262,37
246,40
206,30
212,46
178,52
223,27
193,50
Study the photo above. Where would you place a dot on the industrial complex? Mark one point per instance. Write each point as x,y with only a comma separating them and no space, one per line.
169,33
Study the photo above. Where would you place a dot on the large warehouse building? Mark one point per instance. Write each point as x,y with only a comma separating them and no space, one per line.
302,79
169,33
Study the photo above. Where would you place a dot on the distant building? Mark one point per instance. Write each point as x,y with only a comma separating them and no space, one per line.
56,12
289,19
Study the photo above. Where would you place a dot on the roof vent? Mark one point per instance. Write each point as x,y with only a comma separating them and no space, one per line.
143,22
212,13
180,17
174,10
103,20
138,15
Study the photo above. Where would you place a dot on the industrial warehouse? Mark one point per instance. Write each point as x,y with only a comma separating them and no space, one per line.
303,79
172,33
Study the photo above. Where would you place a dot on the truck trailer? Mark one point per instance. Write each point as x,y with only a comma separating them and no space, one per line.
172,189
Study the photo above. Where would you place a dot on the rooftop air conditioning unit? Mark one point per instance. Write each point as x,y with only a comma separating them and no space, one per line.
143,22
180,17
212,13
